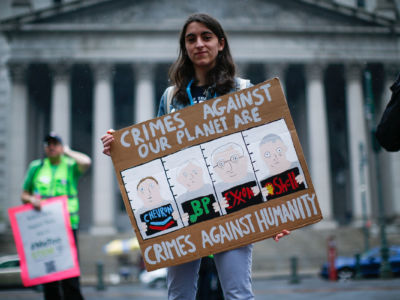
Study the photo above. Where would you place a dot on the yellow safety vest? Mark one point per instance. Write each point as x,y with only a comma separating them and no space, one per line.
58,180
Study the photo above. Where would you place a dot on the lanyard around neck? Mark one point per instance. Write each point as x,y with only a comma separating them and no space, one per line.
189,93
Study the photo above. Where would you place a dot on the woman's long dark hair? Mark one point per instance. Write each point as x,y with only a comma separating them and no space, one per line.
221,77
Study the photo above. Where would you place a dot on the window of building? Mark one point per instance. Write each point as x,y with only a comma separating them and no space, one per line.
16,3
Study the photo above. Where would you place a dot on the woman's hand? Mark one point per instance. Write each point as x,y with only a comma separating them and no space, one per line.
281,235
107,139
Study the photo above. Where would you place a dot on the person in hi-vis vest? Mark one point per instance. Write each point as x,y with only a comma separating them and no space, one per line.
57,175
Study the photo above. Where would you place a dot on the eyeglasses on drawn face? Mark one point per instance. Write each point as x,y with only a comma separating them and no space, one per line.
233,159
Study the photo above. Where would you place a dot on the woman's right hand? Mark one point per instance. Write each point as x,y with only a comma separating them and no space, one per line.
107,139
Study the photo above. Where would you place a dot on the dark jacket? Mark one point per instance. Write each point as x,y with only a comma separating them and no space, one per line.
388,130
240,83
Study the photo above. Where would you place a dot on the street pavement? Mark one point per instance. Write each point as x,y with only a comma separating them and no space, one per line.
264,289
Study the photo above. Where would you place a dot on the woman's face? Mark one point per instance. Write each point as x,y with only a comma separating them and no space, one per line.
202,46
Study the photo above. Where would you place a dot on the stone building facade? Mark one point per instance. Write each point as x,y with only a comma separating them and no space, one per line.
82,67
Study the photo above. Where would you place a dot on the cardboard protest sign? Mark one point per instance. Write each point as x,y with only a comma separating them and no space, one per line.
44,241
215,176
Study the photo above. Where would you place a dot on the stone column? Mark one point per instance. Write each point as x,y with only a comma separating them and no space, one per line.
319,141
61,102
357,135
17,144
103,171
277,70
390,161
144,106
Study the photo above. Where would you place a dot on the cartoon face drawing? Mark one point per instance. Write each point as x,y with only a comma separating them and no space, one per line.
273,152
191,176
229,162
149,191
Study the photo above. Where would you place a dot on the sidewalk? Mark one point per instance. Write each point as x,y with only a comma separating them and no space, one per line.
316,288
91,280
308,288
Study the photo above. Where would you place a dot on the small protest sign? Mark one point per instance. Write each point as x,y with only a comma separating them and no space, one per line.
44,242
215,176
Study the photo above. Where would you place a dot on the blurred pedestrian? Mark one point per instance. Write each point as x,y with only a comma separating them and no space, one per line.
388,130
57,175
203,70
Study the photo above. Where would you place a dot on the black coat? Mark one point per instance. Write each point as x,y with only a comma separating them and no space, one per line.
388,130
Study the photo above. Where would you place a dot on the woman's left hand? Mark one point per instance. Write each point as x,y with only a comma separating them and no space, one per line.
281,235
107,139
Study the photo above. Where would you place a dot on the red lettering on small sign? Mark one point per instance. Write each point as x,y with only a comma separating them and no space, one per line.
236,197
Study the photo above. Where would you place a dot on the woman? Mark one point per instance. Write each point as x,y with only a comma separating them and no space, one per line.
203,70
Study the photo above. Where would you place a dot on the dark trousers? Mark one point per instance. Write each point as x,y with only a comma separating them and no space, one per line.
67,289
208,286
